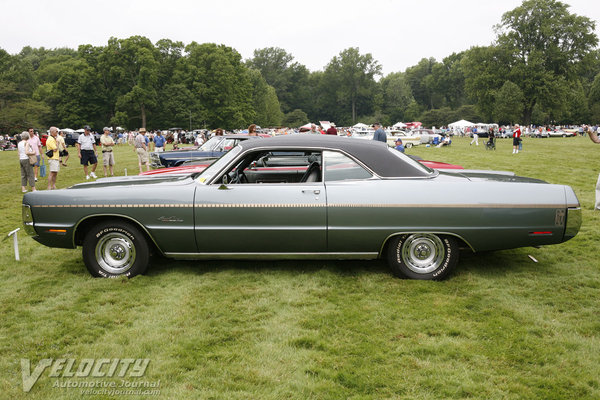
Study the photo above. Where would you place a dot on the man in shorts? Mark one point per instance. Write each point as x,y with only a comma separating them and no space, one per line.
108,158
86,147
54,161
139,144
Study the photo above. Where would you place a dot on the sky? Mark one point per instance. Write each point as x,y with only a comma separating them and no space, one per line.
397,33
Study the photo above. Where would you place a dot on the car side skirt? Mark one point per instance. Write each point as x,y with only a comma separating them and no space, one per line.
273,256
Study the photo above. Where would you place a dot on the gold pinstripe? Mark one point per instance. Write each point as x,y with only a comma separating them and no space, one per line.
304,205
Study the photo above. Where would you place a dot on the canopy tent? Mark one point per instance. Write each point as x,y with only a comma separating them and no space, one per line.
80,130
360,125
414,125
399,125
305,127
460,124
67,130
325,124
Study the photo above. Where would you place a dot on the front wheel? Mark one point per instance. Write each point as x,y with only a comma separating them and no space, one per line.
422,256
115,248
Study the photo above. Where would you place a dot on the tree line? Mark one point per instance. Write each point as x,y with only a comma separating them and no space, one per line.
543,67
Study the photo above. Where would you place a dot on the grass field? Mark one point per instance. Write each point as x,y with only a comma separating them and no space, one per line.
501,327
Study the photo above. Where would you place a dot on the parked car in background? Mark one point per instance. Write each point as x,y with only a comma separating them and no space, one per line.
427,136
332,198
408,139
71,138
214,148
560,133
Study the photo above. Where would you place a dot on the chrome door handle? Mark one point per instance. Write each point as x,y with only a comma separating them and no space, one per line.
315,191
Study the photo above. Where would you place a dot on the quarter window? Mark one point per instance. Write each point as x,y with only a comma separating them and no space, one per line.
339,167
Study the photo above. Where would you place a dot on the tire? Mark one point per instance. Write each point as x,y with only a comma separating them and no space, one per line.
422,256
115,248
409,145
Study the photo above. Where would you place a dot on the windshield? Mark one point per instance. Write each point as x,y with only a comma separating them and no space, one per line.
410,161
214,168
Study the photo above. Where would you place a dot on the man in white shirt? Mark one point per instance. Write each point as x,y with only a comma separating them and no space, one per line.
139,144
86,147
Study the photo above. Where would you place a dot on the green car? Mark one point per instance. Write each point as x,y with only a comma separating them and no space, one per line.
303,197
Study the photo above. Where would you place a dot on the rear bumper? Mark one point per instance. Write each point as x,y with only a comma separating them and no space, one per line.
573,222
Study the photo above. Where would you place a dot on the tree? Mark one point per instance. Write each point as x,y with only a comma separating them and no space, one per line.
421,83
594,100
353,76
509,104
545,43
295,118
264,100
396,95
219,84
290,79
485,71
134,64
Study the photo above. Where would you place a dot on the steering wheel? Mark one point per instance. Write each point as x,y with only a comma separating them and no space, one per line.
239,177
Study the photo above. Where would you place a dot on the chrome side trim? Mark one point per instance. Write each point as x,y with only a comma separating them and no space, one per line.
140,225
432,232
573,222
272,256
304,205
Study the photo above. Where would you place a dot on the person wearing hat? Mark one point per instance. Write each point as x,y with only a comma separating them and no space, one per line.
141,149
86,149
399,145
108,158
331,130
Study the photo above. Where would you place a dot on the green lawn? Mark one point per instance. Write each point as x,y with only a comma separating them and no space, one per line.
501,326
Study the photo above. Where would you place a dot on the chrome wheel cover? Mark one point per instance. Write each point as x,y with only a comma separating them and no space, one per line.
423,253
115,253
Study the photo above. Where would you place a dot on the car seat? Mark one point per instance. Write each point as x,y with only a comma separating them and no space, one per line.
313,173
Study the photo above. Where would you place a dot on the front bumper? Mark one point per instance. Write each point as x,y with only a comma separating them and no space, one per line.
27,220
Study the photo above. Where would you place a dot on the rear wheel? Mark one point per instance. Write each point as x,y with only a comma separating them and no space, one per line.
115,248
423,256
408,145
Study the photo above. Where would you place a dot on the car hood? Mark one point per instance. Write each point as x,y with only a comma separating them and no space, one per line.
132,180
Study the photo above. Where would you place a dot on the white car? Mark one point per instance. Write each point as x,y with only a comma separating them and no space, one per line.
408,140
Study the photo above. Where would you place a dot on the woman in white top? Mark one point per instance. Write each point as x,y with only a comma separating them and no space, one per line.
26,168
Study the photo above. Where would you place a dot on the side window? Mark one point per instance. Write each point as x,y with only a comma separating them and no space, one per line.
279,166
339,167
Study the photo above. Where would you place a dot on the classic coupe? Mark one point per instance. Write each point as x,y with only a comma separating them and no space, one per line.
321,197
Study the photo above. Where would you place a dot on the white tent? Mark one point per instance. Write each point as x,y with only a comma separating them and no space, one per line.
305,127
460,124
80,130
399,125
67,130
360,125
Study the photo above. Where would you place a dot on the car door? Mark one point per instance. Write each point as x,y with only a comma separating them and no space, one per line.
261,218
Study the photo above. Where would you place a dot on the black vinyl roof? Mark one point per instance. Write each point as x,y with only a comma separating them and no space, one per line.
374,154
